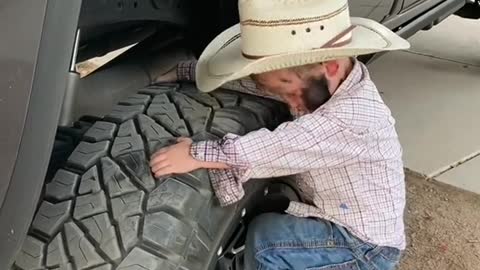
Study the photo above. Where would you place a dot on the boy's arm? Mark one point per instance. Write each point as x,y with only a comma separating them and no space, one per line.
308,143
186,72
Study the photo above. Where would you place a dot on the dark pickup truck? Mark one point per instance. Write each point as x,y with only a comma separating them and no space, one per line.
75,187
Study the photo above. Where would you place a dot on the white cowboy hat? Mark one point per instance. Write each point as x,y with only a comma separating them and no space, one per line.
277,34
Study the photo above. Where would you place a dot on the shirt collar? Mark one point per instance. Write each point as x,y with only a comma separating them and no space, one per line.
355,76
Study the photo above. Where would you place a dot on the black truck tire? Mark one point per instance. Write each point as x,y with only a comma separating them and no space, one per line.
104,210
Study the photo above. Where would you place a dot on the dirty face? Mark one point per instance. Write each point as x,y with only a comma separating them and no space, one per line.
303,90
285,84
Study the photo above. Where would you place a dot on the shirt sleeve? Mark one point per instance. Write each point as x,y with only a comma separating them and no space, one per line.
225,182
311,142
225,185
186,72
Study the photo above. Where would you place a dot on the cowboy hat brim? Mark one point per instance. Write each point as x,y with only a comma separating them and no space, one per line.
222,61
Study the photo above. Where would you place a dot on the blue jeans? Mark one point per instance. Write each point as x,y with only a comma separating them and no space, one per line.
281,241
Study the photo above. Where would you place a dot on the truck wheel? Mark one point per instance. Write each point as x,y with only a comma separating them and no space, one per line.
104,210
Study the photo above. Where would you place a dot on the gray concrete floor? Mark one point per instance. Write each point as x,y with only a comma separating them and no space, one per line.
433,90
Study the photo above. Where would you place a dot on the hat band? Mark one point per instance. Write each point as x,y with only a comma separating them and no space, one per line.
332,43
283,22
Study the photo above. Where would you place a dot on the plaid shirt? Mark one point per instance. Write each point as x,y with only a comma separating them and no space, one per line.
345,157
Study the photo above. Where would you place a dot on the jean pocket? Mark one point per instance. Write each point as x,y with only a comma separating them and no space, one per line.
350,265
391,254
385,257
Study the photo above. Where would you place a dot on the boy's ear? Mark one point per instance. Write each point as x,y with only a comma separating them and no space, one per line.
331,69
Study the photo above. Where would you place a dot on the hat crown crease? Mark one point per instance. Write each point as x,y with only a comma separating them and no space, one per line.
287,26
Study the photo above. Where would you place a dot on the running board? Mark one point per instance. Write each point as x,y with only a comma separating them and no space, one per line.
429,19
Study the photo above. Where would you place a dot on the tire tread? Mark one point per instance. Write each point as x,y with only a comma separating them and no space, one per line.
106,211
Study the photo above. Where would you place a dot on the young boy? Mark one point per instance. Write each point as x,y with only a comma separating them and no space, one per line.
342,148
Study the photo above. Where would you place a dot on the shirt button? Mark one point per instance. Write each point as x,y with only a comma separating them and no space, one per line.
227,197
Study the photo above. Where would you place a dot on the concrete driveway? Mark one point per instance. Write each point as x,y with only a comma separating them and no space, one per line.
433,91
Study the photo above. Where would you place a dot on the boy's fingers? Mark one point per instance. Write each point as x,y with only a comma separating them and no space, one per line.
160,166
163,171
158,158
154,158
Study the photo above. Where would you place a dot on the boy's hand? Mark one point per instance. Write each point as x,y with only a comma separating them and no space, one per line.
170,76
174,159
